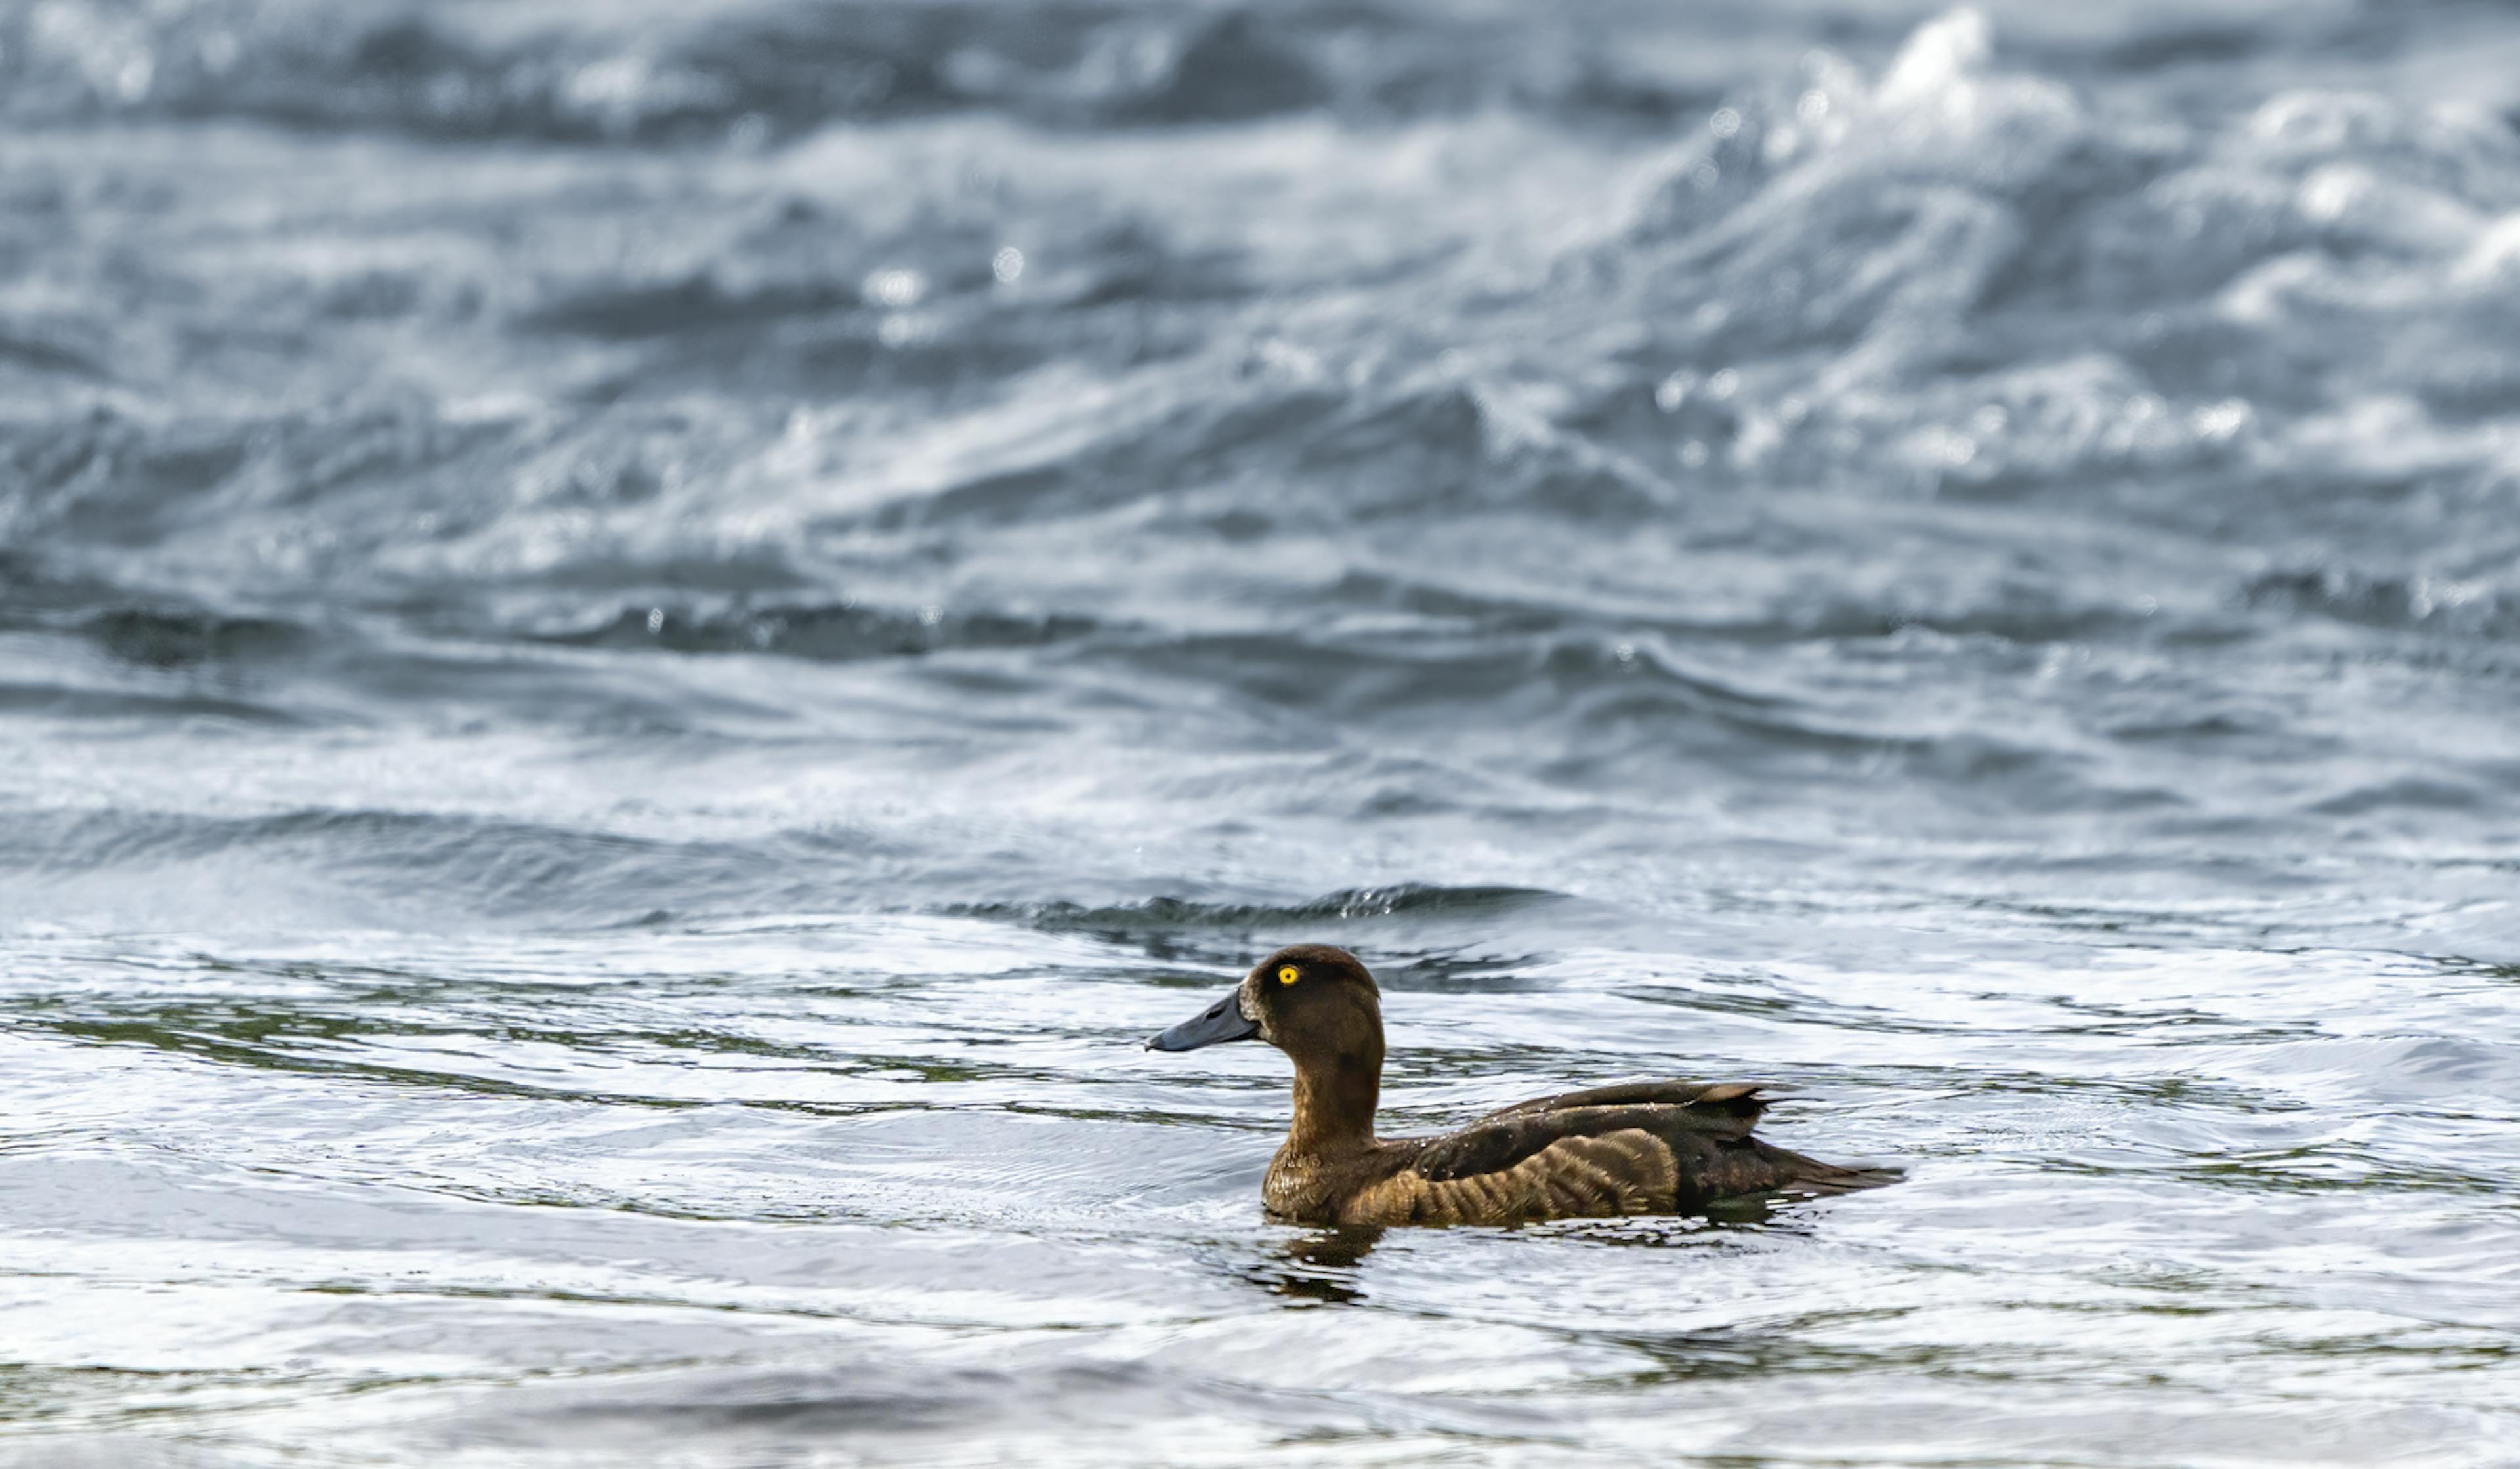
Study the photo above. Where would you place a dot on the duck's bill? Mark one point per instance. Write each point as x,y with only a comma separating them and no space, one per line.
1219,1022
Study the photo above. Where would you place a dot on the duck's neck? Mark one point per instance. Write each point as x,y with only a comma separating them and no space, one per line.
1335,1100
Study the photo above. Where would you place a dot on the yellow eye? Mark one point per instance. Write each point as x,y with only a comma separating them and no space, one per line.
1288,974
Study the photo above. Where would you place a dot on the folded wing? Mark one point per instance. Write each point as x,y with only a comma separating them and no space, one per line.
1667,1093
1633,1148
1502,1140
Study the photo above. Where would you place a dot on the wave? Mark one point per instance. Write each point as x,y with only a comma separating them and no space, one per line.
558,70
2447,606
1949,284
380,866
1164,914
375,867
1983,445
825,634
579,72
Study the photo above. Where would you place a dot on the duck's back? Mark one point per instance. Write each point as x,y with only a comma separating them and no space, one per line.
1642,1147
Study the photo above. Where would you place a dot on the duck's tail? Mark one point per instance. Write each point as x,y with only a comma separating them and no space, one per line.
1811,1179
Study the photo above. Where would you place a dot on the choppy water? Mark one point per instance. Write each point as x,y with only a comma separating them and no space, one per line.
639,643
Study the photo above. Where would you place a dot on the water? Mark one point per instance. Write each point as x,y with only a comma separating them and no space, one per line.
639,642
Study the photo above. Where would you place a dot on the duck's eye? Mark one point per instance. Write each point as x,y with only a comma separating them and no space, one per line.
1288,974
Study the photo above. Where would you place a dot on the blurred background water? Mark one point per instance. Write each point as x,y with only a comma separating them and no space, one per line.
638,641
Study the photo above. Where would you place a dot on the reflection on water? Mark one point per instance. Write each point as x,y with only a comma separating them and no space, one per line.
1325,1266
1318,1267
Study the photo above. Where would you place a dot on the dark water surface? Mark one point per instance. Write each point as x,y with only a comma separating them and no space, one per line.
639,643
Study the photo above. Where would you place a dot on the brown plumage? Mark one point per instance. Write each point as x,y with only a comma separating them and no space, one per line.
1642,1147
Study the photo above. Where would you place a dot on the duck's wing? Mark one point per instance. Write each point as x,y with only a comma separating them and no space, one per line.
1559,1156
1666,1092
1719,1113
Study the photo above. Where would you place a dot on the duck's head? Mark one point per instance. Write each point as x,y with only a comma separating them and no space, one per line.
1308,1000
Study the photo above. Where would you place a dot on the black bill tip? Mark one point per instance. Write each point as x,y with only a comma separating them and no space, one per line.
1220,1022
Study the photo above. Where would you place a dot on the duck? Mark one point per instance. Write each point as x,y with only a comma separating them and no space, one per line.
1629,1148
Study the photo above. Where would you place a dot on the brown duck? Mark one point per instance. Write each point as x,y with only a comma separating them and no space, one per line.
1642,1147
